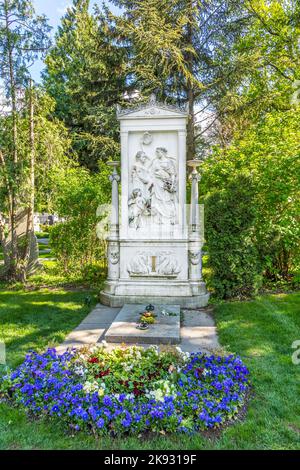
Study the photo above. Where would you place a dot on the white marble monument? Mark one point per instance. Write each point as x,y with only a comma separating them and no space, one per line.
154,243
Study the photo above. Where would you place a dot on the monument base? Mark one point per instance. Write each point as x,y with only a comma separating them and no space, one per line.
195,301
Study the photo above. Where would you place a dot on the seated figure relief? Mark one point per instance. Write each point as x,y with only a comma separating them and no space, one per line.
154,190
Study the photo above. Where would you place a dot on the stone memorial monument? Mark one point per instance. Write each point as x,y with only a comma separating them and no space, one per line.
154,243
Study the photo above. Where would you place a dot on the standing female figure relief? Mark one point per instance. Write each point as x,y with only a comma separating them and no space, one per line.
164,190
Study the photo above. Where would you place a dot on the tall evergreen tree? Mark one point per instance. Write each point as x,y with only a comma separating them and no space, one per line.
85,74
23,36
179,48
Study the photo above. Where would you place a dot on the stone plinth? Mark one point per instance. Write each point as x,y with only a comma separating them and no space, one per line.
165,330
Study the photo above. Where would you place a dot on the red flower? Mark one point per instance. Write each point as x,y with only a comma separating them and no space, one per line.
199,371
93,360
151,375
124,382
102,373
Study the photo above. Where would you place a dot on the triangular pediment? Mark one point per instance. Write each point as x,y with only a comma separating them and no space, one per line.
152,109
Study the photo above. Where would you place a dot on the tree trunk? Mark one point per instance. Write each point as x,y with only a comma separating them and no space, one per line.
190,90
13,268
29,235
190,140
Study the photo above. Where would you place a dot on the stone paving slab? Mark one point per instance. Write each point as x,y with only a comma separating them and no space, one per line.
92,328
101,316
204,336
81,337
197,318
165,330
198,331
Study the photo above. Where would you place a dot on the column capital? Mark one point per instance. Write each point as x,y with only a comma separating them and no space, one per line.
114,177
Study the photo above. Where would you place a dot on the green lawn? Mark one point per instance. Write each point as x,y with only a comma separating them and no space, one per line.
37,319
261,331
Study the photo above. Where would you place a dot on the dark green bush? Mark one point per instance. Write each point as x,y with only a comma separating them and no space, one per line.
229,229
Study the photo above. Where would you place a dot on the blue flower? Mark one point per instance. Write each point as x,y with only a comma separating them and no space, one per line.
107,400
100,423
47,382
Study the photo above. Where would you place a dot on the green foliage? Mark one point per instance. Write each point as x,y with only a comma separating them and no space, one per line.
262,67
85,74
261,167
51,147
229,223
75,241
183,50
23,37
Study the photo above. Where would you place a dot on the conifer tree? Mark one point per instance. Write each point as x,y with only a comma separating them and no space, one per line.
178,50
85,74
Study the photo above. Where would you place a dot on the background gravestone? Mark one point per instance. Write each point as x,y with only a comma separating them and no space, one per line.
21,228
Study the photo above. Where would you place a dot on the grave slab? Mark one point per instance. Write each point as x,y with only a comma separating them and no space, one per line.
165,330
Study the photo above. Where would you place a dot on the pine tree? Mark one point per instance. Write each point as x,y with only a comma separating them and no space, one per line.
85,75
179,49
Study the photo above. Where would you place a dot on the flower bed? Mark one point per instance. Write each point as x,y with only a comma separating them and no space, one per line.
130,390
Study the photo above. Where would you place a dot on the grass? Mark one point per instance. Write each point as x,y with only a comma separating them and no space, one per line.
261,331
37,319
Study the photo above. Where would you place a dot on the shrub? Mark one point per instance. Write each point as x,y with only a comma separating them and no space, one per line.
229,227
261,167
75,242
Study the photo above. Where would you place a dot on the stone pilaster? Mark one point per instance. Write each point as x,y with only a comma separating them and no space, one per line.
195,241
113,248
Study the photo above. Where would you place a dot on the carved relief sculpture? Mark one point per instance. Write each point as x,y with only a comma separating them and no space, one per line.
139,202
195,257
155,243
114,257
161,263
154,189
163,197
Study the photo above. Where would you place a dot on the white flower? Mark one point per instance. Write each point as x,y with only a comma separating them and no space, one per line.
104,343
129,396
163,388
90,387
158,395
80,370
